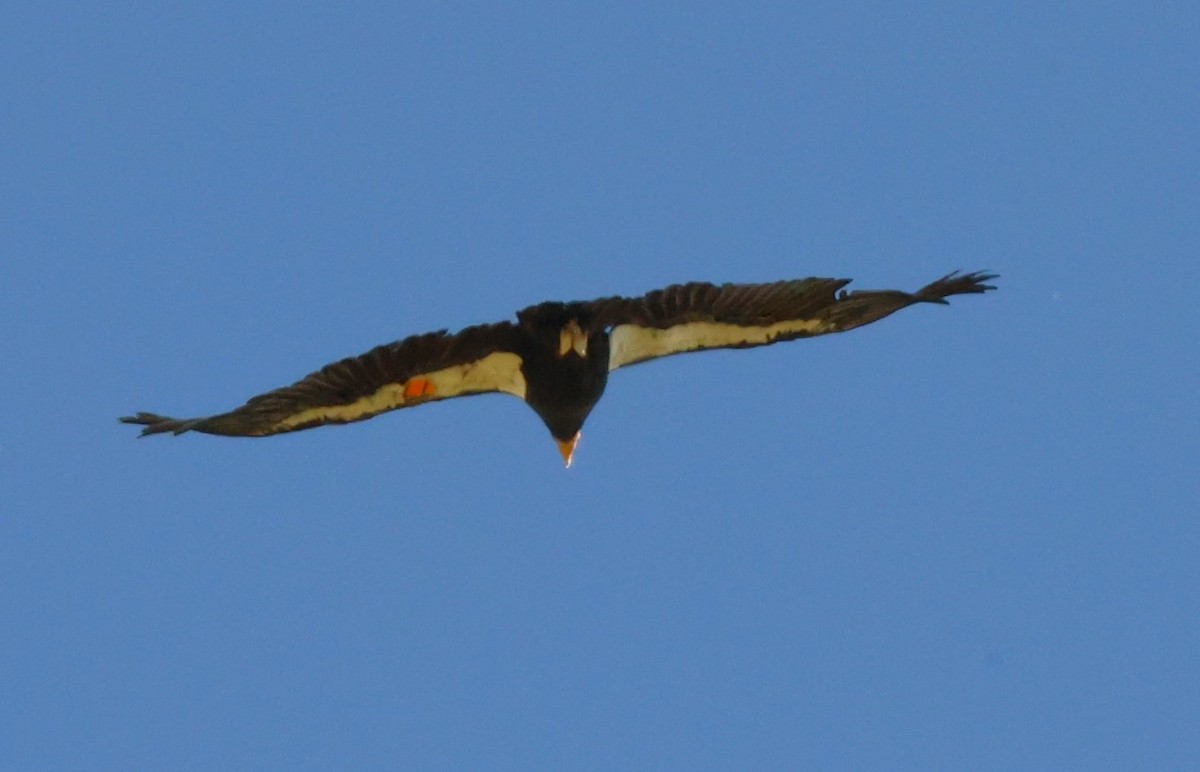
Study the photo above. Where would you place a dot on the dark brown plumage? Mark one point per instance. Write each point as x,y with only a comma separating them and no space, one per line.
557,356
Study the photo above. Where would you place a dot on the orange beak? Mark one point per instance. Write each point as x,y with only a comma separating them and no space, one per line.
567,448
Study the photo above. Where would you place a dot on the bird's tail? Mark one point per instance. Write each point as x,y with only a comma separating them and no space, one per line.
153,423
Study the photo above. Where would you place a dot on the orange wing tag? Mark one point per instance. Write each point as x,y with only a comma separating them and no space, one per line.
418,387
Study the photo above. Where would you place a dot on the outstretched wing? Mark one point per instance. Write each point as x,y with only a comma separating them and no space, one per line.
413,371
697,317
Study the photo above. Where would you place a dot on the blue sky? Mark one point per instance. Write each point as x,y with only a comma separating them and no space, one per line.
962,538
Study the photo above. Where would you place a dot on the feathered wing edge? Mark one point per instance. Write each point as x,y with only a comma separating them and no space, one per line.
153,423
738,304
750,304
349,382
859,307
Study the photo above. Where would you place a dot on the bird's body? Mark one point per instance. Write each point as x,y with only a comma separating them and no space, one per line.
557,356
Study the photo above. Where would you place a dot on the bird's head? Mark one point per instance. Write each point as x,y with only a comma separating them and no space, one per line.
566,427
566,447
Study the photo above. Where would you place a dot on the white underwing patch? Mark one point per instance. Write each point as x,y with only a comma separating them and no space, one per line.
500,371
630,343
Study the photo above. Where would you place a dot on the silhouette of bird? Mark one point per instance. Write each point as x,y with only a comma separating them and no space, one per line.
557,356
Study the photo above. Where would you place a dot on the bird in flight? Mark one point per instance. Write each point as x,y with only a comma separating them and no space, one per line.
557,356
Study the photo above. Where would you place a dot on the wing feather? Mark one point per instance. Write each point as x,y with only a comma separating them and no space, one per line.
701,316
422,368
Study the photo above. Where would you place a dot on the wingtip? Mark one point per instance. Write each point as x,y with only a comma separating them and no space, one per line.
956,283
152,423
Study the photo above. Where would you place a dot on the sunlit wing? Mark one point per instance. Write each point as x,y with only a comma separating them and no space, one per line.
698,316
414,371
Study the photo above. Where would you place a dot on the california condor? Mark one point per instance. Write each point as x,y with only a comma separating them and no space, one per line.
557,356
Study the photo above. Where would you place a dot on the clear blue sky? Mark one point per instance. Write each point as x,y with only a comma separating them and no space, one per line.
962,538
